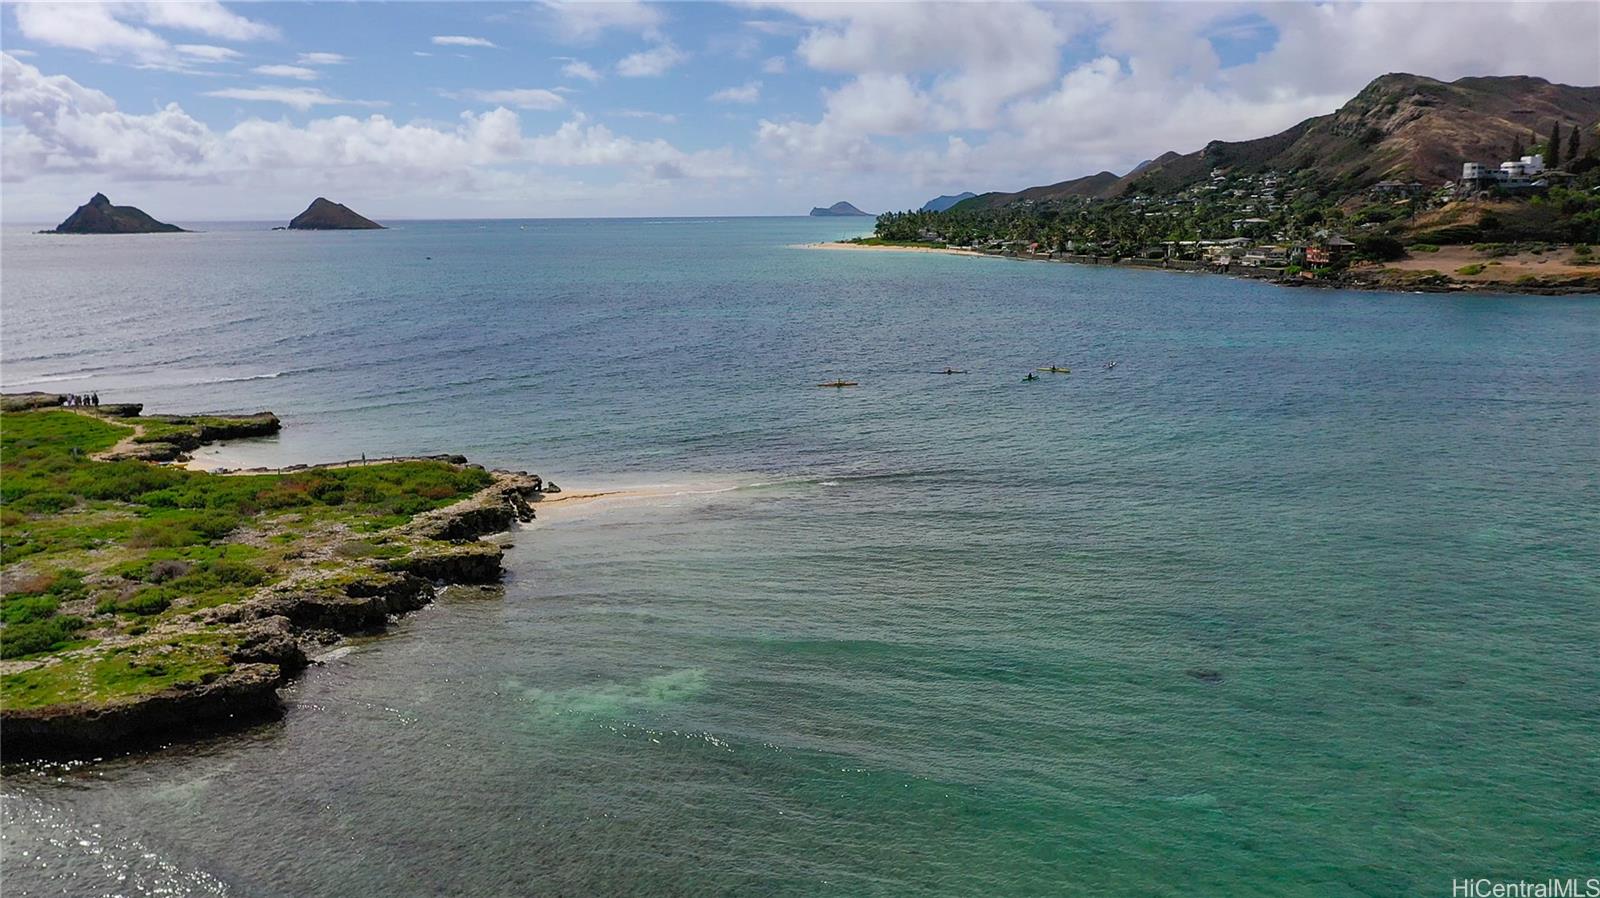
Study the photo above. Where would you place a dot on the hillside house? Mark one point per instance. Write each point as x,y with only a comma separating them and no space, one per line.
1329,251
1265,257
1513,174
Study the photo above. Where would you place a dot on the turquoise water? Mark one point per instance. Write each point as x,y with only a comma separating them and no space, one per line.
1301,598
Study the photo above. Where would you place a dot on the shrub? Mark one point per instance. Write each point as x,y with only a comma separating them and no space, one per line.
22,609
1581,249
1380,249
1470,270
182,528
42,503
17,640
233,573
146,601
162,571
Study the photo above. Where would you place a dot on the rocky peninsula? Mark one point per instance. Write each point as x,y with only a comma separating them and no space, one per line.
326,215
145,603
98,216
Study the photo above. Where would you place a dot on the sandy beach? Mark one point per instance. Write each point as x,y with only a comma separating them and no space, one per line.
595,498
862,247
216,459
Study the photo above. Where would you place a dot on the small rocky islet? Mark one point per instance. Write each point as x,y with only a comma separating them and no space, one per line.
145,603
326,215
98,216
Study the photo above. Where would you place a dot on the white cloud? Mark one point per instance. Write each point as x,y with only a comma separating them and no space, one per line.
651,63
66,128
301,98
982,54
1340,47
125,28
916,72
462,40
205,16
84,26
749,92
64,125
522,98
775,65
316,58
207,53
579,69
665,118
286,71
585,21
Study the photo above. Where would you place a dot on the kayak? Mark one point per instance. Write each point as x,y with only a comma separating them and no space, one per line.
1053,369
840,383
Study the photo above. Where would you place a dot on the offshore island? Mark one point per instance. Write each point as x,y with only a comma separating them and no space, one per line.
147,603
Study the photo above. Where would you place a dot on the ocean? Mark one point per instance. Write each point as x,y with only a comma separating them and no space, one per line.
1300,598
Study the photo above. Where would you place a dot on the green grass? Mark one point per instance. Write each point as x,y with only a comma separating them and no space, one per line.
1469,270
189,430
88,546
134,669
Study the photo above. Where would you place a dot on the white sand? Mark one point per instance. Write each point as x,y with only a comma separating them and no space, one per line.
859,247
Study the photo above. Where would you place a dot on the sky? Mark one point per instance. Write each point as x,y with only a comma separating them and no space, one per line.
204,111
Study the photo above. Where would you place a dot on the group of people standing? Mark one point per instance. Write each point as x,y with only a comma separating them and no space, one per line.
77,400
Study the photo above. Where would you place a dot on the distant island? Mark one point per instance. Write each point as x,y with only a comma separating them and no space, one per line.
941,203
326,215
840,208
98,216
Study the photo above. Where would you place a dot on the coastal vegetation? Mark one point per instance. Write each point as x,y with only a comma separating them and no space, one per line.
882,241
1340,194
123,578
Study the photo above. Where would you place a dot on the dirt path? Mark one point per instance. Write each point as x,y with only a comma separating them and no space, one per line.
126,444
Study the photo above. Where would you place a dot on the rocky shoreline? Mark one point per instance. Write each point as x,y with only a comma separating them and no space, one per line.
268,636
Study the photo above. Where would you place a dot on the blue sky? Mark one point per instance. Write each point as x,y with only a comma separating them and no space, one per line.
204,110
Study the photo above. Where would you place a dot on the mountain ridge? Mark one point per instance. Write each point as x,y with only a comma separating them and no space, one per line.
945,201
1400,126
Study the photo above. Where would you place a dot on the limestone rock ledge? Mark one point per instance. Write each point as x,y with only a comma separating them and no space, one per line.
246,693
494,509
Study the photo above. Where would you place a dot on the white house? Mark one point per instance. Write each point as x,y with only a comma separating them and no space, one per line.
1511,173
